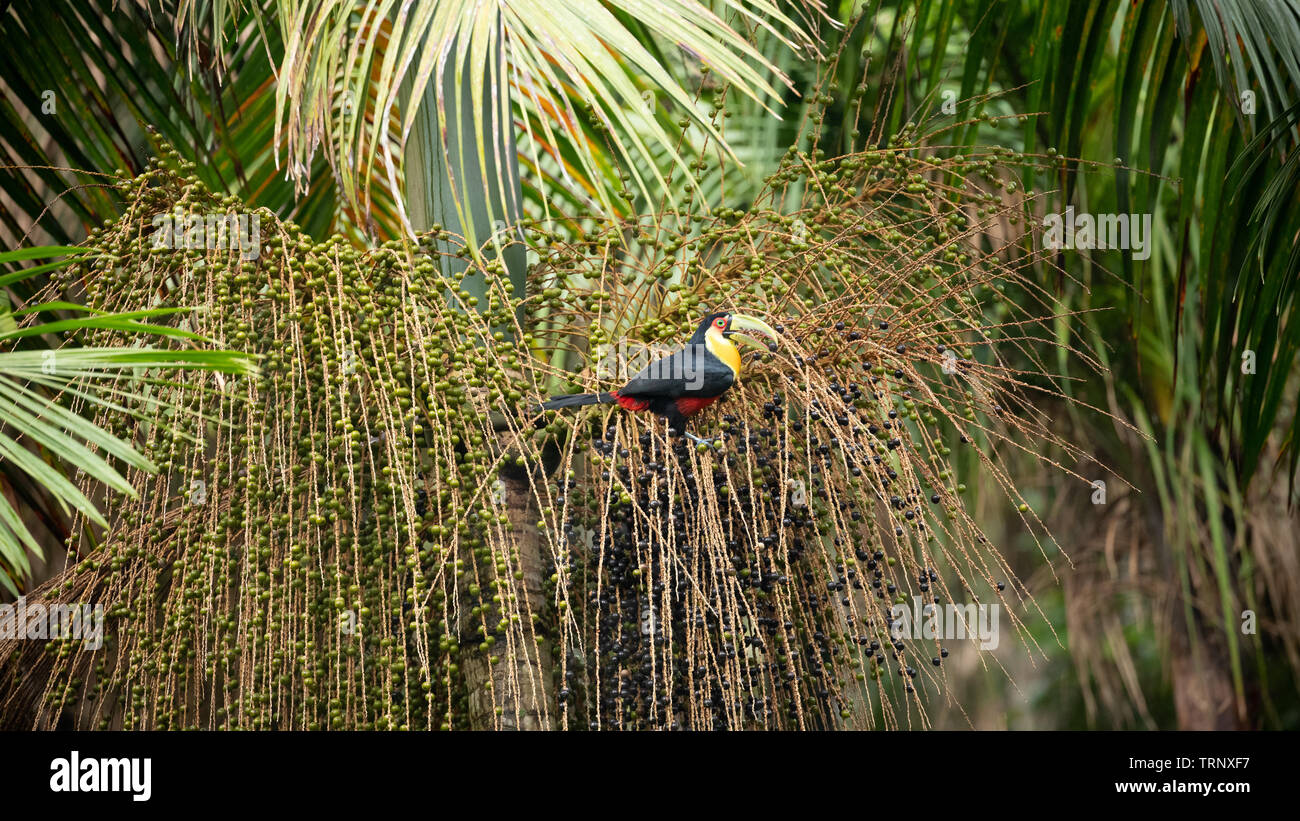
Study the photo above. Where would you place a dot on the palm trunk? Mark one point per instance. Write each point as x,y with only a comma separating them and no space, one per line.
516,693
1204,698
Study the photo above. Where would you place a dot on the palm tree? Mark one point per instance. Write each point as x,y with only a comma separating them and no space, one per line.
438,493
1108,106
335,84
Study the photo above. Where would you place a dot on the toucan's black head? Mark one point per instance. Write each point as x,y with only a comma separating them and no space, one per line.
721,320
727,323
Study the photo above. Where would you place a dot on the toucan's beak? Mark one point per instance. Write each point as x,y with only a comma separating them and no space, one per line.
741,323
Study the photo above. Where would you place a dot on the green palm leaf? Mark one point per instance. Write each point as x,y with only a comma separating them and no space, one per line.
566,62
41,438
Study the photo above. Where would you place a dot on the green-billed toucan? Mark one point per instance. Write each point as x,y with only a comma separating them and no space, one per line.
681,385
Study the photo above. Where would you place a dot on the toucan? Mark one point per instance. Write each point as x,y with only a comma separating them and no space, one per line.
681,385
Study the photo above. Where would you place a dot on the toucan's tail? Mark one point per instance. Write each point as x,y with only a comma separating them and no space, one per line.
576,400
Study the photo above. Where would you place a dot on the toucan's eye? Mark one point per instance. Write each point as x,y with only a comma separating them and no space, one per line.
721,322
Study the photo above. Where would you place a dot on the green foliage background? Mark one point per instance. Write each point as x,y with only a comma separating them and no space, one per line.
1184,110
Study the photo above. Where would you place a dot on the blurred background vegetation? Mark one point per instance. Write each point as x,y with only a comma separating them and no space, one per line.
1185,110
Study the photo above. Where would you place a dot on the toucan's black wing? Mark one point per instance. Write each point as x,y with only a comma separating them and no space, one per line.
692,371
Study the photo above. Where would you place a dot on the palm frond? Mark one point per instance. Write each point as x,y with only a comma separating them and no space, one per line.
565,62
42,440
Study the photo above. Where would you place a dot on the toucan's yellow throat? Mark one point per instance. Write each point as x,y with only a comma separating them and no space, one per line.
723,349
